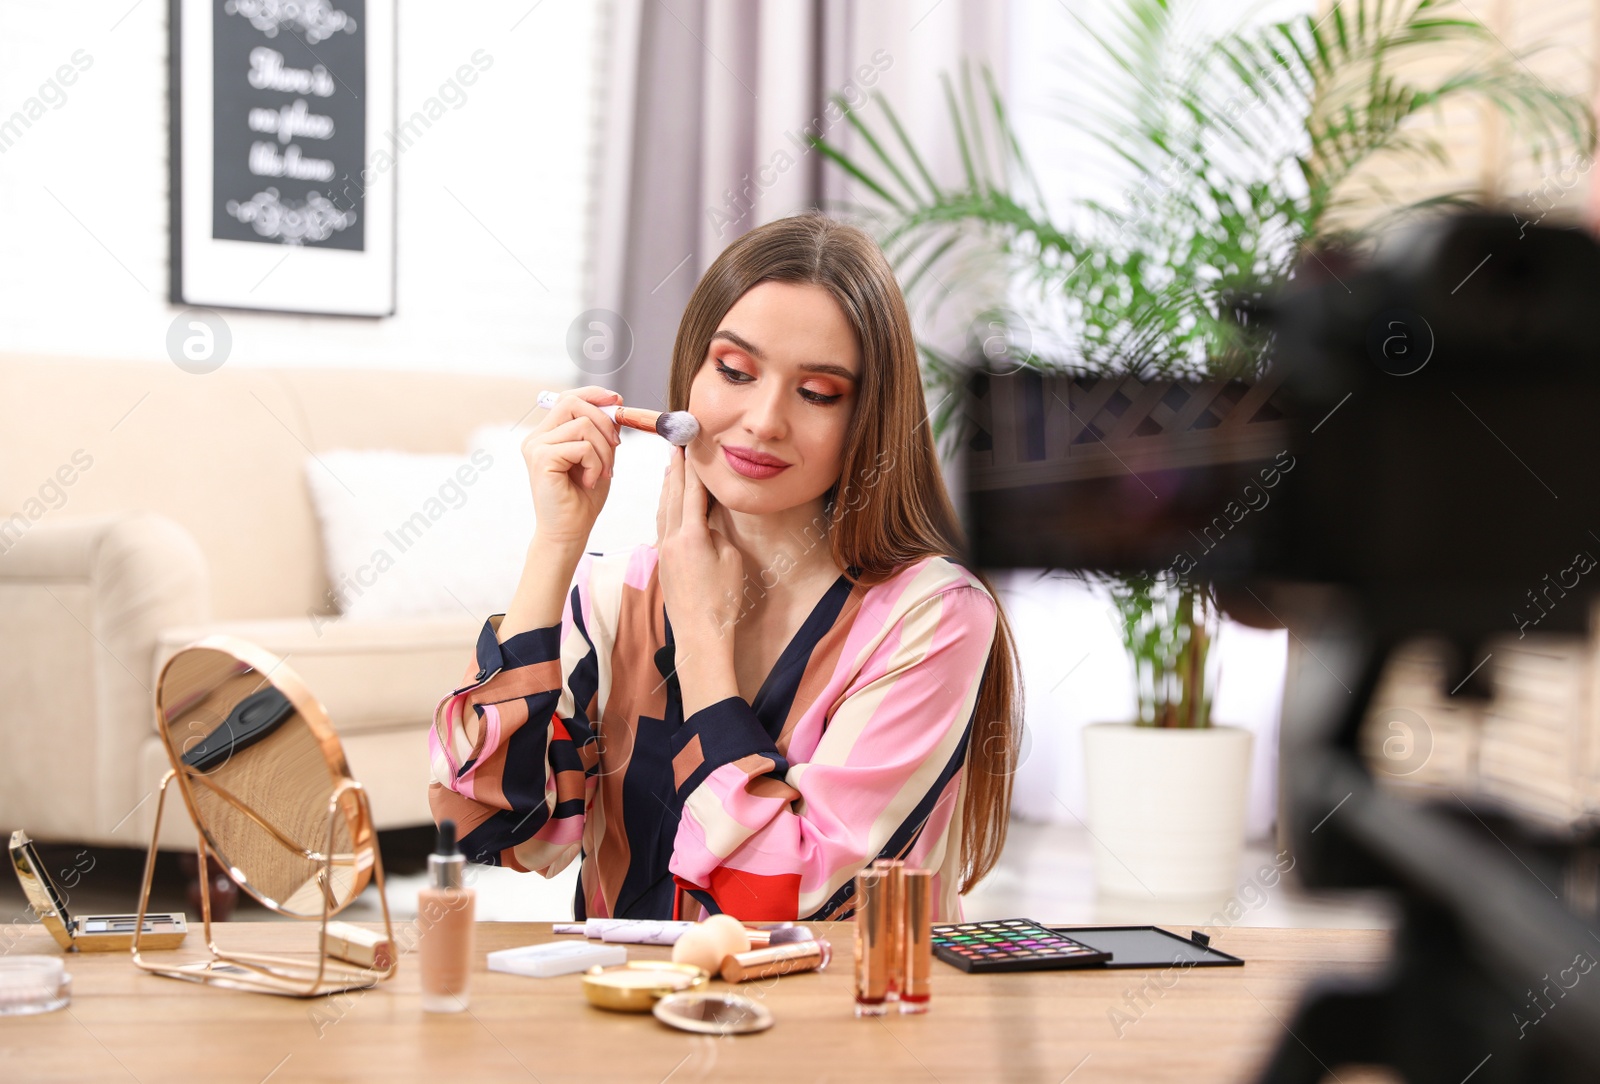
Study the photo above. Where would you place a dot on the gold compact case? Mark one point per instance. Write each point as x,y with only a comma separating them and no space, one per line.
86,933
713,1014
636,986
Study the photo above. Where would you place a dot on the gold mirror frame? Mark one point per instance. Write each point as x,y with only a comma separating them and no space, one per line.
347,807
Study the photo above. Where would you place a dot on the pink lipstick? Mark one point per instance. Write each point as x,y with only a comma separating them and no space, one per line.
753,464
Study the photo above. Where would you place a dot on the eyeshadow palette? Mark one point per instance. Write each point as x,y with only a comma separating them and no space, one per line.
1015,944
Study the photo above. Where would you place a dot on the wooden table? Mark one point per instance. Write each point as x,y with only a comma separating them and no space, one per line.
1211,1024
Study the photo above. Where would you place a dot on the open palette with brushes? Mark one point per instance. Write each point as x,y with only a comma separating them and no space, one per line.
1014,944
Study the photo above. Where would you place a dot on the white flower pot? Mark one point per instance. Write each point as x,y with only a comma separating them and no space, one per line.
1166,808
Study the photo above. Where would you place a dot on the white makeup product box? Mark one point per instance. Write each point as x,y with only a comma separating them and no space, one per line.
556,958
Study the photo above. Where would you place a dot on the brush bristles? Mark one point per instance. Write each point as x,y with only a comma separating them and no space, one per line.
678,427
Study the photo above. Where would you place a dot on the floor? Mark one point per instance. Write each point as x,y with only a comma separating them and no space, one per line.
1046,873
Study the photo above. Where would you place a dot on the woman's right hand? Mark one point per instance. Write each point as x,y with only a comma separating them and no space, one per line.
569,456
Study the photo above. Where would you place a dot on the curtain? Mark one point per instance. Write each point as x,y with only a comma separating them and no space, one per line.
704,112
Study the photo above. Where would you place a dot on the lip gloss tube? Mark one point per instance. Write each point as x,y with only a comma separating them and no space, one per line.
916,980
873,942
894,870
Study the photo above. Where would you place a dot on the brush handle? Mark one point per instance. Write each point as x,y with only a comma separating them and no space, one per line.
632,417
547,399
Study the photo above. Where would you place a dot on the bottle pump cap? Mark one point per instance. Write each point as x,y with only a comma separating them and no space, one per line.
446,864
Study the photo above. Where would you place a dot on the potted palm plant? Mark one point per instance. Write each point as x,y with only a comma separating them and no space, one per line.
1167,793
1249,149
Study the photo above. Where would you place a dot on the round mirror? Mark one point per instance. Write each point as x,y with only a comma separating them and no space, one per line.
259,767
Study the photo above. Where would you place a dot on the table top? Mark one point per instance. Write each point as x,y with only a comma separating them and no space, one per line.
1205,1024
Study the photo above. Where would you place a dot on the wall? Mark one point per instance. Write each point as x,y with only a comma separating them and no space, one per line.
492,196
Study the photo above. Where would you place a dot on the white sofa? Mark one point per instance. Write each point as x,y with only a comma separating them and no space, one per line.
142,507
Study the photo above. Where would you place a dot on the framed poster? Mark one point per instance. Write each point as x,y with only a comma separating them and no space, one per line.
276,113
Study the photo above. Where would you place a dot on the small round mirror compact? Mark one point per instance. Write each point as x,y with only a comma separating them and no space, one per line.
713,1014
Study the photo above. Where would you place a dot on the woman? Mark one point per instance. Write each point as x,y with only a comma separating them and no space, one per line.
797,678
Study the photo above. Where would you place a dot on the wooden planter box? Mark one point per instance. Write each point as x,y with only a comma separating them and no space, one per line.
1116,472
1064,428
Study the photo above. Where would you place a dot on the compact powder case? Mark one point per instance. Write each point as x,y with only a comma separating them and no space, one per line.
87,933
638,985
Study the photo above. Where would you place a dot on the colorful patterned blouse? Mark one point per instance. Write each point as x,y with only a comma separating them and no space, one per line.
853,749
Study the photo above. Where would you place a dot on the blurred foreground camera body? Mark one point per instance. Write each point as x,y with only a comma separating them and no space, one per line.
1426,423
1442,400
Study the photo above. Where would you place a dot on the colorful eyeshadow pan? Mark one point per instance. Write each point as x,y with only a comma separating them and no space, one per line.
1013,944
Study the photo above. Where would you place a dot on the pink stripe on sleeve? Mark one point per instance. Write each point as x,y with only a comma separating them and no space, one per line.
641,565
466,784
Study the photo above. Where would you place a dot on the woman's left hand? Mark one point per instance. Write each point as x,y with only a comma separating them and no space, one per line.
701,571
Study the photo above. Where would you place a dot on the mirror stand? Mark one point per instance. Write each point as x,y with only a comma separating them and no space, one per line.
289,976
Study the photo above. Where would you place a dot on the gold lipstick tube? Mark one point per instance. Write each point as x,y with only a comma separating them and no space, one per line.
894,870
358,946
873,942
786,959
916,981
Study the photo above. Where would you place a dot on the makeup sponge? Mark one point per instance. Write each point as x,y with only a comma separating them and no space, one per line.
706,944
731,931
700,947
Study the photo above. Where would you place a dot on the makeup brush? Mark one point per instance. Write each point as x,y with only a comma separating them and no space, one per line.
677,426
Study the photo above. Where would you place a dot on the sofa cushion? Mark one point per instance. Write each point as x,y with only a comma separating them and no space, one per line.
370,675
408,535
411,535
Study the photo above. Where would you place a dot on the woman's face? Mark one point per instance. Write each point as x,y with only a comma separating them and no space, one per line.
778,383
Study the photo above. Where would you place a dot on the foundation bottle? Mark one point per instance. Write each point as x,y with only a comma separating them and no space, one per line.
445,918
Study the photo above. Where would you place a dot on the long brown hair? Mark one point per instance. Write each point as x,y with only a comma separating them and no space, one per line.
905,516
